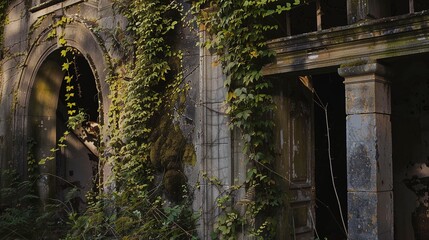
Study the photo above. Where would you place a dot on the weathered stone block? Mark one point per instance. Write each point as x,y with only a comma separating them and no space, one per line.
369,152
368,97
370,215
366,89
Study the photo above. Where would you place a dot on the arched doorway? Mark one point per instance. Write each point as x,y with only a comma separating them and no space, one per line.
73,167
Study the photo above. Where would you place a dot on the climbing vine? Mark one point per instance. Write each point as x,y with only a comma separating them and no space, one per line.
237,33
75,116
3,19
148,196
146,148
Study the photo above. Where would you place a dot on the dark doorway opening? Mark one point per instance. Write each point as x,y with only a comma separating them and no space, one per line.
329,88
77,163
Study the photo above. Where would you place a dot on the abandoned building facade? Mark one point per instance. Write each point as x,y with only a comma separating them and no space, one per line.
366,60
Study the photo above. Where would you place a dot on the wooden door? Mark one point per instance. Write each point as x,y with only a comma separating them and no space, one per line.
294,145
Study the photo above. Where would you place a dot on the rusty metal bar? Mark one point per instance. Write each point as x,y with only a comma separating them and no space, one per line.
319,15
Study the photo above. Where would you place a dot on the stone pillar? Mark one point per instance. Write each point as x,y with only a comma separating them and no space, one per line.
369,152
214,140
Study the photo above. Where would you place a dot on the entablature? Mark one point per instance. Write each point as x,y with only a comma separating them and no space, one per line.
364,41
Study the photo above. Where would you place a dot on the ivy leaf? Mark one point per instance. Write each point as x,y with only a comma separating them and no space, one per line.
62,41
71,105
52,34
254,54
244,114
64,19
64,52
69,88
62,139
71,112
69,95
231,95
66,66
68,78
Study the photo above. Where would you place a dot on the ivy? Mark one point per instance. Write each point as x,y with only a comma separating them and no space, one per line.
148,190
3,19
237,31
75,115
144,96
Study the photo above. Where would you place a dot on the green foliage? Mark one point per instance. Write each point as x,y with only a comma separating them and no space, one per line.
142,97
16,212
237,35
3,19
22,215
76,116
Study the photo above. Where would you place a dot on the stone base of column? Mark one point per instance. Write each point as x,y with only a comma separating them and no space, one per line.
370,215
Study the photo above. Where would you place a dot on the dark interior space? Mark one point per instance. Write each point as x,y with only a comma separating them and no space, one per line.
420,5
79,156
410,144
400,7
302,18
334,13
85,88
330,89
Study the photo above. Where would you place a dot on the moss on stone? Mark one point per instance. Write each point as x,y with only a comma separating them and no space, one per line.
189,156
168,153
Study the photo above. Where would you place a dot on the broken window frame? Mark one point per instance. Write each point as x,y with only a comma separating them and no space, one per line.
319,12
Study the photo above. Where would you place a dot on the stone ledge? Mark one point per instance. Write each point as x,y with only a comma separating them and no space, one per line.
42,10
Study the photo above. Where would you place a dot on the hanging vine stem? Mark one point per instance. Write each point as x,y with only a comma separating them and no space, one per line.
75,116
325,110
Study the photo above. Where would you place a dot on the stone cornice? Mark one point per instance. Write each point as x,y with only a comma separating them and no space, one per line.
360,42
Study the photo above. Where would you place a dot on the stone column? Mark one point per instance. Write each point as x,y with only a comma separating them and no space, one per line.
214,140
369,152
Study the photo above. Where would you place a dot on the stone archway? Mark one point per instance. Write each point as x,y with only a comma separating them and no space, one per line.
74,166
39,90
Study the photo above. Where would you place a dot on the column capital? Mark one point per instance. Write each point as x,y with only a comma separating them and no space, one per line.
354,74
362,69
367,88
